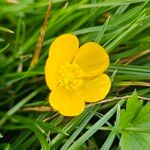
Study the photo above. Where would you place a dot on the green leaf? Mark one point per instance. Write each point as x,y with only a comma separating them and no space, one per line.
143,118
133,107
133,141
135,125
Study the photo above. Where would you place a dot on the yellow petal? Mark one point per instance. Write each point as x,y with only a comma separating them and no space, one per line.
95,89
64,48
67,102
62,51
92,58
51,73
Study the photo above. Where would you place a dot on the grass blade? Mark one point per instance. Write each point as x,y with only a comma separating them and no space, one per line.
112,135
94,128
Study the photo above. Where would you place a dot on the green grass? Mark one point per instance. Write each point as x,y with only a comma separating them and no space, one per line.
122,27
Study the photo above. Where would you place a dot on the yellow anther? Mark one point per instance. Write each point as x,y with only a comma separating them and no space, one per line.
71,76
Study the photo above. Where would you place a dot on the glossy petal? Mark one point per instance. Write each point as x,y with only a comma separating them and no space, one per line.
67,102
62,51
96,89
63,48
51,73
92,58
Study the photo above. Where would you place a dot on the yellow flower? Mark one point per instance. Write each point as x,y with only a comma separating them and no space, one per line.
75,74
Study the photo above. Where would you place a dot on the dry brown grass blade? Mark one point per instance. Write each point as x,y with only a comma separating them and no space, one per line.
38,109
50,109
41,37
138,56
131,59
13,1
134,83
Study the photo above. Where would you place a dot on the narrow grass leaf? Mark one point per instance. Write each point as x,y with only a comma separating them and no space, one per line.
95,127
17,106
102,31
107,144
105,4
3,49
80,128
6,30
68,128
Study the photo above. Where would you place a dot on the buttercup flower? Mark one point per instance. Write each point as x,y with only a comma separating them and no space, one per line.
75,75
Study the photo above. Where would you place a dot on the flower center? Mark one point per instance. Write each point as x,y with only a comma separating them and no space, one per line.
70,76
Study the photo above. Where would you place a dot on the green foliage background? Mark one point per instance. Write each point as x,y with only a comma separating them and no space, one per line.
123,28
